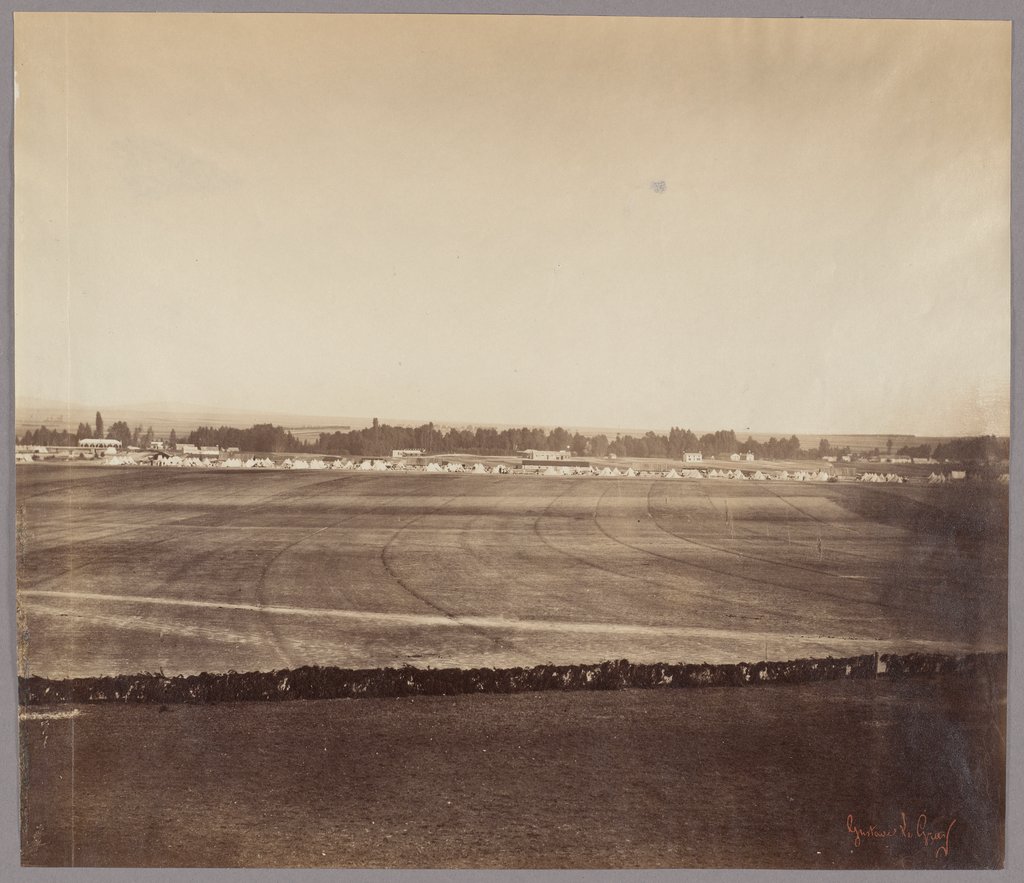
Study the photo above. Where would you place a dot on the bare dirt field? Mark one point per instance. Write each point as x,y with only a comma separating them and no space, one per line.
186,571
771,776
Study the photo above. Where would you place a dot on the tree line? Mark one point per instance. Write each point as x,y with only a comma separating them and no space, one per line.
118,430
380,439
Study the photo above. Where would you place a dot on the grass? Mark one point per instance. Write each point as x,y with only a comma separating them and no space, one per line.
125,571
715,777
145,570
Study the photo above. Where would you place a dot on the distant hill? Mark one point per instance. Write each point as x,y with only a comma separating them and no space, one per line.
163,417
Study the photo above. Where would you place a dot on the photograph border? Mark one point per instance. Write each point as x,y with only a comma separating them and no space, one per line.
1012,10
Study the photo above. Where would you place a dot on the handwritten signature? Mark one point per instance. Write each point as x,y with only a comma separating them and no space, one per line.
921,832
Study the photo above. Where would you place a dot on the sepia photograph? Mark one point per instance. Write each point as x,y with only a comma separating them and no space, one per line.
465,441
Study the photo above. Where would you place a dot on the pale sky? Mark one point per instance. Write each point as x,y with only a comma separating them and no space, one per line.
785,225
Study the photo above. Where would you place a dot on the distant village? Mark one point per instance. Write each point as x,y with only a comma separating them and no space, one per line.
523,450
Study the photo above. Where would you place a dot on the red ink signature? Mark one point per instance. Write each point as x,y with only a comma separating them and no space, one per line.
920,832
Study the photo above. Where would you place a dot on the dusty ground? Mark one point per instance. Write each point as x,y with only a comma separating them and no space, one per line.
184,571
738,777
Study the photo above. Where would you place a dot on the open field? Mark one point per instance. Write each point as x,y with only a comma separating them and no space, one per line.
185,571
737,777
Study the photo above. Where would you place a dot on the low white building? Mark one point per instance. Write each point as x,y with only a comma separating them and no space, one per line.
531,454
399,453
692,457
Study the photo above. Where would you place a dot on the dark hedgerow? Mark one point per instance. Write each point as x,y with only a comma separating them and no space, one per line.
315,682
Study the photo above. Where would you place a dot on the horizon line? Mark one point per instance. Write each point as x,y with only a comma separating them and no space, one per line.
170,408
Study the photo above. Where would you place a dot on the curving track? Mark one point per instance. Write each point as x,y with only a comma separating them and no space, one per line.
143,570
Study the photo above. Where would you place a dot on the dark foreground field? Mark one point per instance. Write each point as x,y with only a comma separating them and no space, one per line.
742,777
122,571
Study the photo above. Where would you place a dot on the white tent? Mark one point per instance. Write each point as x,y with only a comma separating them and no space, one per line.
479,469
432,467
233,463
317,464
671,474
119,460
758,476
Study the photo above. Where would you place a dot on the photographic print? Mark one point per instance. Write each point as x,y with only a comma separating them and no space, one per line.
511,441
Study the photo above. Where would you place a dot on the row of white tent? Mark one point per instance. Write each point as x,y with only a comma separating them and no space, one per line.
499,469
960,475
476,468
878,478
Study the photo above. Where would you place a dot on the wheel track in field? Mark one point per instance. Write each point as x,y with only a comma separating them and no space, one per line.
813,518
750,579
121,534
748,532
935,595
662,581
260,584
745,555
276,638
862,535
68,484
631,577
578,558
386,557
189,566
932,594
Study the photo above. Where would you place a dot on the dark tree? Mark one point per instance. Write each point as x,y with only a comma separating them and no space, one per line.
121,431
